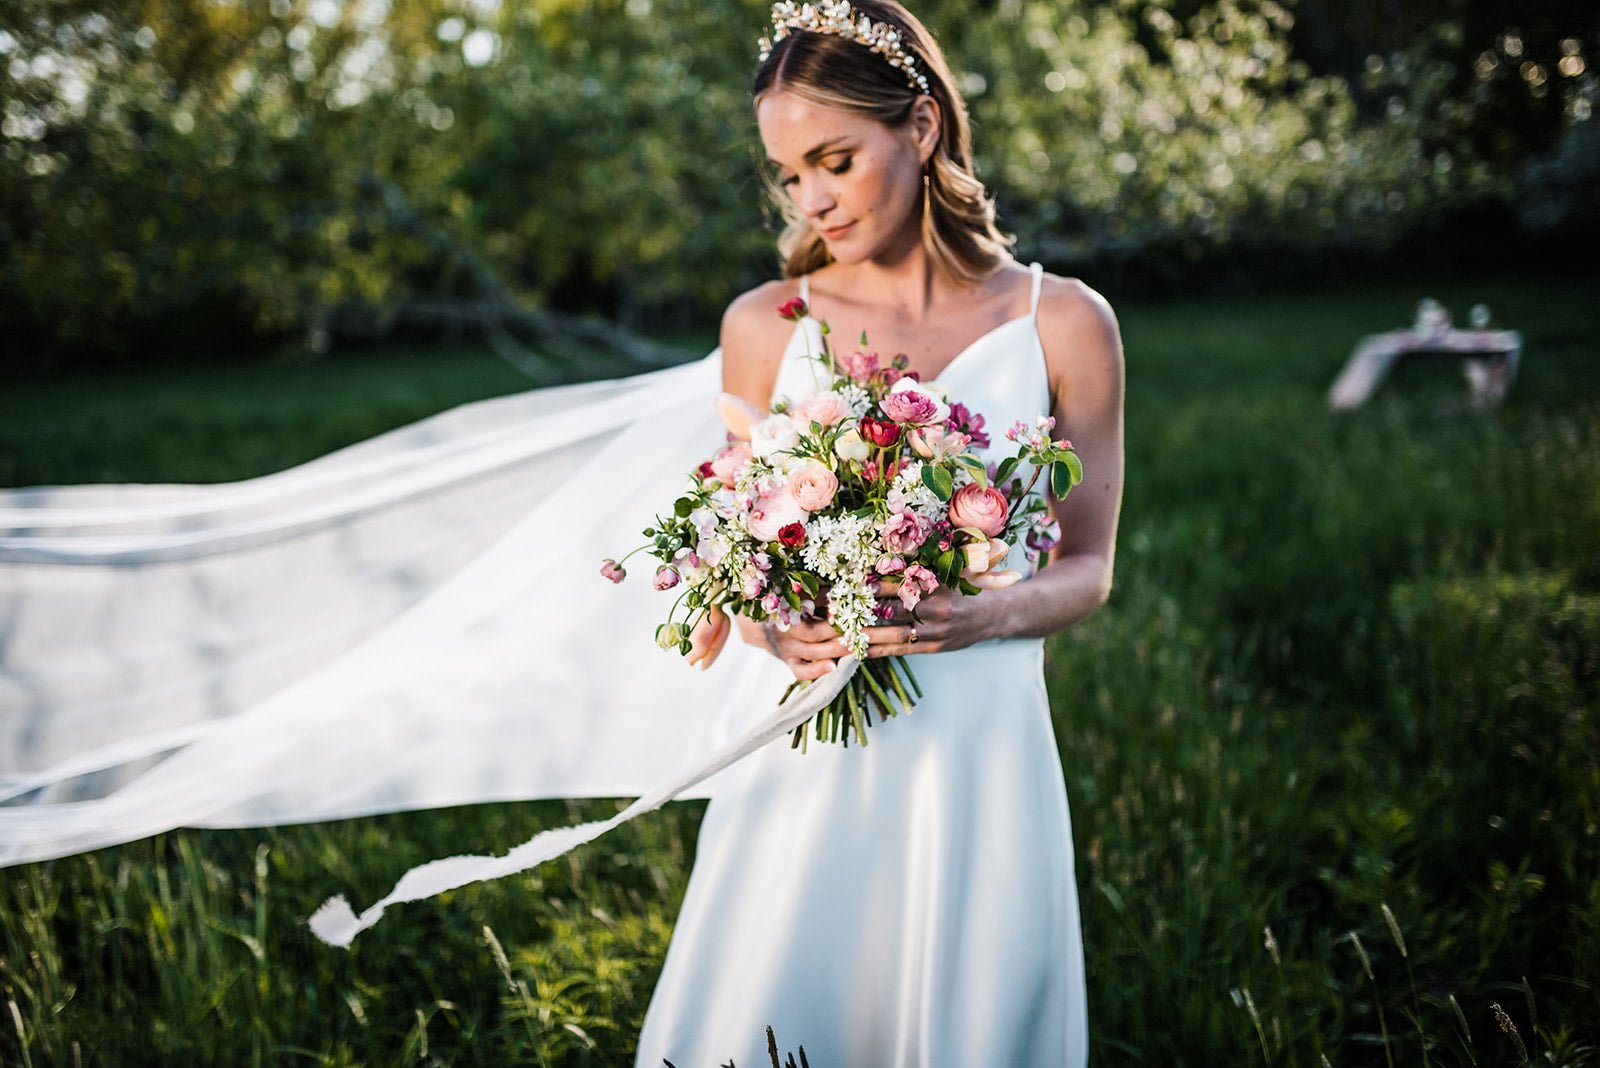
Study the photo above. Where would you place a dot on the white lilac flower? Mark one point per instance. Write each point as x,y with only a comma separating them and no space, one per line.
857,397
908,491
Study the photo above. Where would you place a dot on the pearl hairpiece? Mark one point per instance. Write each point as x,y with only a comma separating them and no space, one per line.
835,17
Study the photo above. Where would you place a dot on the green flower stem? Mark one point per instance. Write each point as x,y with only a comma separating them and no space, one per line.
876,689
855,714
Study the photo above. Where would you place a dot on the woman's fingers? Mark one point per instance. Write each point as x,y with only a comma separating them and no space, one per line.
900,639
708,638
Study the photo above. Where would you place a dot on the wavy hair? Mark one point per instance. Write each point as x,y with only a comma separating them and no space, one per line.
958,230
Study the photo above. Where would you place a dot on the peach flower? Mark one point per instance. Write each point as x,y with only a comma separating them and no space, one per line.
813,486
773,511
825,408
981,507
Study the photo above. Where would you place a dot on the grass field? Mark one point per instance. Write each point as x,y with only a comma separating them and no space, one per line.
1333,749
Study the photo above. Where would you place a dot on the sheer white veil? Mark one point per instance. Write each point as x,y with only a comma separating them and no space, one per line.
415,621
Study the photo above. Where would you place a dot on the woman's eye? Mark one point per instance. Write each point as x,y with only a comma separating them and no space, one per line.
787,181
840,167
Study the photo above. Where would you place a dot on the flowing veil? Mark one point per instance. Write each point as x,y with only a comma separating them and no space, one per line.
414,621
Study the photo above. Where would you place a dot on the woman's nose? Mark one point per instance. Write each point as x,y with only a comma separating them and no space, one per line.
814,199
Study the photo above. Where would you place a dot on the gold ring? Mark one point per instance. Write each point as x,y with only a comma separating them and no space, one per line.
913,639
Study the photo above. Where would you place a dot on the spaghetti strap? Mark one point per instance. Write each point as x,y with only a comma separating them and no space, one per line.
805,288
1038,285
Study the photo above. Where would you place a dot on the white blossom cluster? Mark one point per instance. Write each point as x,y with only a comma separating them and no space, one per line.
842,549
857,397
909,492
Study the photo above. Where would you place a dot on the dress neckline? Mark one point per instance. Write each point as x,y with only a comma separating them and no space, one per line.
1029,316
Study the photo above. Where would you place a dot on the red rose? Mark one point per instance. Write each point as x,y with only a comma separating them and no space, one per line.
793,309
793,535
880,432
706,471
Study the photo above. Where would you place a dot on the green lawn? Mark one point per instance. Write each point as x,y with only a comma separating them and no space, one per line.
1347,691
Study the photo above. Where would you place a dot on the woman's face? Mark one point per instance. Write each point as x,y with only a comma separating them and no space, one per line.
858,182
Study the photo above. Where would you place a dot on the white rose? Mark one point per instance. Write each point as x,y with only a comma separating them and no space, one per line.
851,446
774,434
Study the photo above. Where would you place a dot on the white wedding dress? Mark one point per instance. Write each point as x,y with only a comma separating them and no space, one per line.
417,621
907,904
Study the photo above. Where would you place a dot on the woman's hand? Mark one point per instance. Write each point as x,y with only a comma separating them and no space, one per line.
809,648
946,619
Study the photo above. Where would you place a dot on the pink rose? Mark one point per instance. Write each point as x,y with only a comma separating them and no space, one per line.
826,409
905,532
813,486
612,570
981,507
726,463
860,366
666,577
915,404
773,511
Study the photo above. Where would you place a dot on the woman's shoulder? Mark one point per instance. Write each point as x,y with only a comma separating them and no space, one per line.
754,338
752,317
1076,317
1078,329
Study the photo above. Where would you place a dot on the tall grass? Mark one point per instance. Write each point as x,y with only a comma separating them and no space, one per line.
1333,749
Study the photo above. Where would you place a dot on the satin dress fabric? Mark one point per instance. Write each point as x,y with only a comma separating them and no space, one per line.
911,903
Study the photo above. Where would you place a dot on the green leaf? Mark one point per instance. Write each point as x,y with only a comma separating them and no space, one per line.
1003,472
1063,476
938,480
976,466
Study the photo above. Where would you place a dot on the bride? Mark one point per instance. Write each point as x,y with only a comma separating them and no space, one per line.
353,636
912,903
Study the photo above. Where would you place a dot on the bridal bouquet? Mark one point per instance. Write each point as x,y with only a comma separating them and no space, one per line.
866,494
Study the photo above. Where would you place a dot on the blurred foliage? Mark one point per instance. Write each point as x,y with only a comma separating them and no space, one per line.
178,170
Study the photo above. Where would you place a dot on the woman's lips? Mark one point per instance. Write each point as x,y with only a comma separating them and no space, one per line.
834,233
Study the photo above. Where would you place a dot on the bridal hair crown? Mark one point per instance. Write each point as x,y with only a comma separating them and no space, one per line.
835,17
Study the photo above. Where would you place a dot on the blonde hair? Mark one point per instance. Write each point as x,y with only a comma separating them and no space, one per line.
958,229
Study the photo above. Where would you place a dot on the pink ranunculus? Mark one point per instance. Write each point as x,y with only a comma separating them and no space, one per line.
860,366
813,486
981,507
773,511
612,570
914,404
793,309
888,565
905,532
825,408
666,577
729,459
